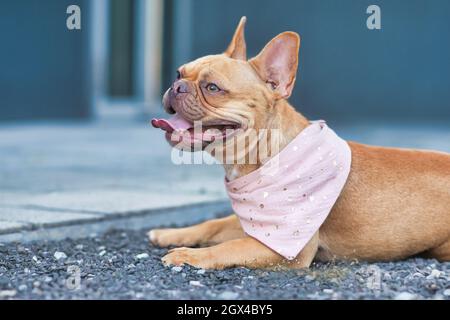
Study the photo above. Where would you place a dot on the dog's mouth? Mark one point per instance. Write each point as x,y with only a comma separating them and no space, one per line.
179,129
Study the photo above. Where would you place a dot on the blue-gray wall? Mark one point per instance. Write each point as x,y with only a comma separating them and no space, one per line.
43,72
346,71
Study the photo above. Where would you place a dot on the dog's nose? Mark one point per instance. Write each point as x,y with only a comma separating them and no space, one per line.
180,87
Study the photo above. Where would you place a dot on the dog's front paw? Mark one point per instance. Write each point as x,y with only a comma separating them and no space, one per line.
164,237
180,256
173,237
155,237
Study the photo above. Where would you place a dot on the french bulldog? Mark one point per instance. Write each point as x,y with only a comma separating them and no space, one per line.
395,203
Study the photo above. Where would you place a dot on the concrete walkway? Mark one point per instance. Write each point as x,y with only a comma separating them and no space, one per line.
54,175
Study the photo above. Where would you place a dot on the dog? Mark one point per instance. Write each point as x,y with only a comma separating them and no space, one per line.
395,203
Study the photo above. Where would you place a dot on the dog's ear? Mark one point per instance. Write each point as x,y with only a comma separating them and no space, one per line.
238,48
277,63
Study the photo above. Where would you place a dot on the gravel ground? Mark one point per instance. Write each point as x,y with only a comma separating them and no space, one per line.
122,265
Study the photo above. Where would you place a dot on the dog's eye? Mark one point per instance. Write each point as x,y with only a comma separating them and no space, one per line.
178,75
211,87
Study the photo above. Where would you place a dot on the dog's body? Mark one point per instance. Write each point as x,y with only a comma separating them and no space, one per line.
395,204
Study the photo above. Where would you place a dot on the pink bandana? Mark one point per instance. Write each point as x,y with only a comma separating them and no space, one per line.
284,202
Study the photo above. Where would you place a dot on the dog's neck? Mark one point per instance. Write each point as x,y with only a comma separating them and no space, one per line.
288,122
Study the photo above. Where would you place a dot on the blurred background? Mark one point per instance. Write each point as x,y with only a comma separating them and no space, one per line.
127,51
75,104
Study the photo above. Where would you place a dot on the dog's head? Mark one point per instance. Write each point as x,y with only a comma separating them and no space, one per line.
228,94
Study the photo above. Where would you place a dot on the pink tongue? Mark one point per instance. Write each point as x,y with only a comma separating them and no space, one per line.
172,124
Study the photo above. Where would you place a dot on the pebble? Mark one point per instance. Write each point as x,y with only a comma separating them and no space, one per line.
228,295
60,255
309,278
142,256
195,283
37,291
174,293
405,296
334,280
7,293
22,287
201,271
434,274
387,276
79,247
446,292
177,269
102,253
22,249
328,291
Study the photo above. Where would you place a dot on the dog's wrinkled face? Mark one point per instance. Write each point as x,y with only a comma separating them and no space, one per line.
213,91
226,94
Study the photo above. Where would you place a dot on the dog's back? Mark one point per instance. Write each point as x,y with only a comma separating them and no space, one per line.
396,203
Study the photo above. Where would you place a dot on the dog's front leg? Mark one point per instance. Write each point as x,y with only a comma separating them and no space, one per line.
246,252
209,232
